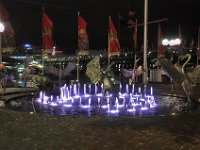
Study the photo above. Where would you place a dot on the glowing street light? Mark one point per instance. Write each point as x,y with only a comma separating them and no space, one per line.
172,42
2,28
177,41
165,42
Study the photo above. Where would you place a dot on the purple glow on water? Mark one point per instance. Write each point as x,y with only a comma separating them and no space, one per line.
139,90
53,104
86,95
77,96
144,108
131,110
122,95
99,94
108,95
85,106
127,89
151,90
105,106
124,102
114,111
67,105
96,88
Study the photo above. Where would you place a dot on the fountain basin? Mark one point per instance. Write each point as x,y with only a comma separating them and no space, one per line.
80,100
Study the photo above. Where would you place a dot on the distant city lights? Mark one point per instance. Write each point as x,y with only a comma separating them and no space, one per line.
27,46
53,51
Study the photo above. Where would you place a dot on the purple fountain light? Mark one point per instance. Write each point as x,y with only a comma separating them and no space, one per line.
129,101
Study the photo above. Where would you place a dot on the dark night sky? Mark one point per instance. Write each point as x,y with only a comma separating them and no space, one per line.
25,17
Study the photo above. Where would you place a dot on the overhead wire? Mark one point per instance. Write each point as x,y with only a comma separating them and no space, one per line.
67,7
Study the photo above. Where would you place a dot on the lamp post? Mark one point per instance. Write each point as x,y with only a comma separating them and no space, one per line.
1,30
145,74
171,42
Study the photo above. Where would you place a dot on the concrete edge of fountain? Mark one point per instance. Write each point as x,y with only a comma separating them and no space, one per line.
13,93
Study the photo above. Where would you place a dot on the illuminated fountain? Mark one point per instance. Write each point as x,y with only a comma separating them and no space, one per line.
128,101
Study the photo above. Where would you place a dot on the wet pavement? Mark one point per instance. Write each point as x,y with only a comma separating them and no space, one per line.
36,131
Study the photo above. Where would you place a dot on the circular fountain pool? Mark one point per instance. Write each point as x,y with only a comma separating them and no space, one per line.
128,101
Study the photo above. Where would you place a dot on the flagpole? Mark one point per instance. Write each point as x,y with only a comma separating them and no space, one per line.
42,61
135,36
145,74
180,37
198,47
0,43
119,26
109,19
179,32
158,43
60,72
77,67
42,42
135,47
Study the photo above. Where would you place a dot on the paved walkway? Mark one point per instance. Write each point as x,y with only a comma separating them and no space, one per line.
24,131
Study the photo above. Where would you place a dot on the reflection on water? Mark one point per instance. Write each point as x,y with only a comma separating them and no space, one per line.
165,105
129,101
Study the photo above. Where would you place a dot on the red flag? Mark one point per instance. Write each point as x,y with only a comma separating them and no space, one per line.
47,39
8,34
160,46
4,13
135,36
5,20
131,20
83,41
113,42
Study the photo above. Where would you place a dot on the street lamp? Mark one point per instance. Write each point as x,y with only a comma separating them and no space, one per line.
1,30
165,42
171,42
172,45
